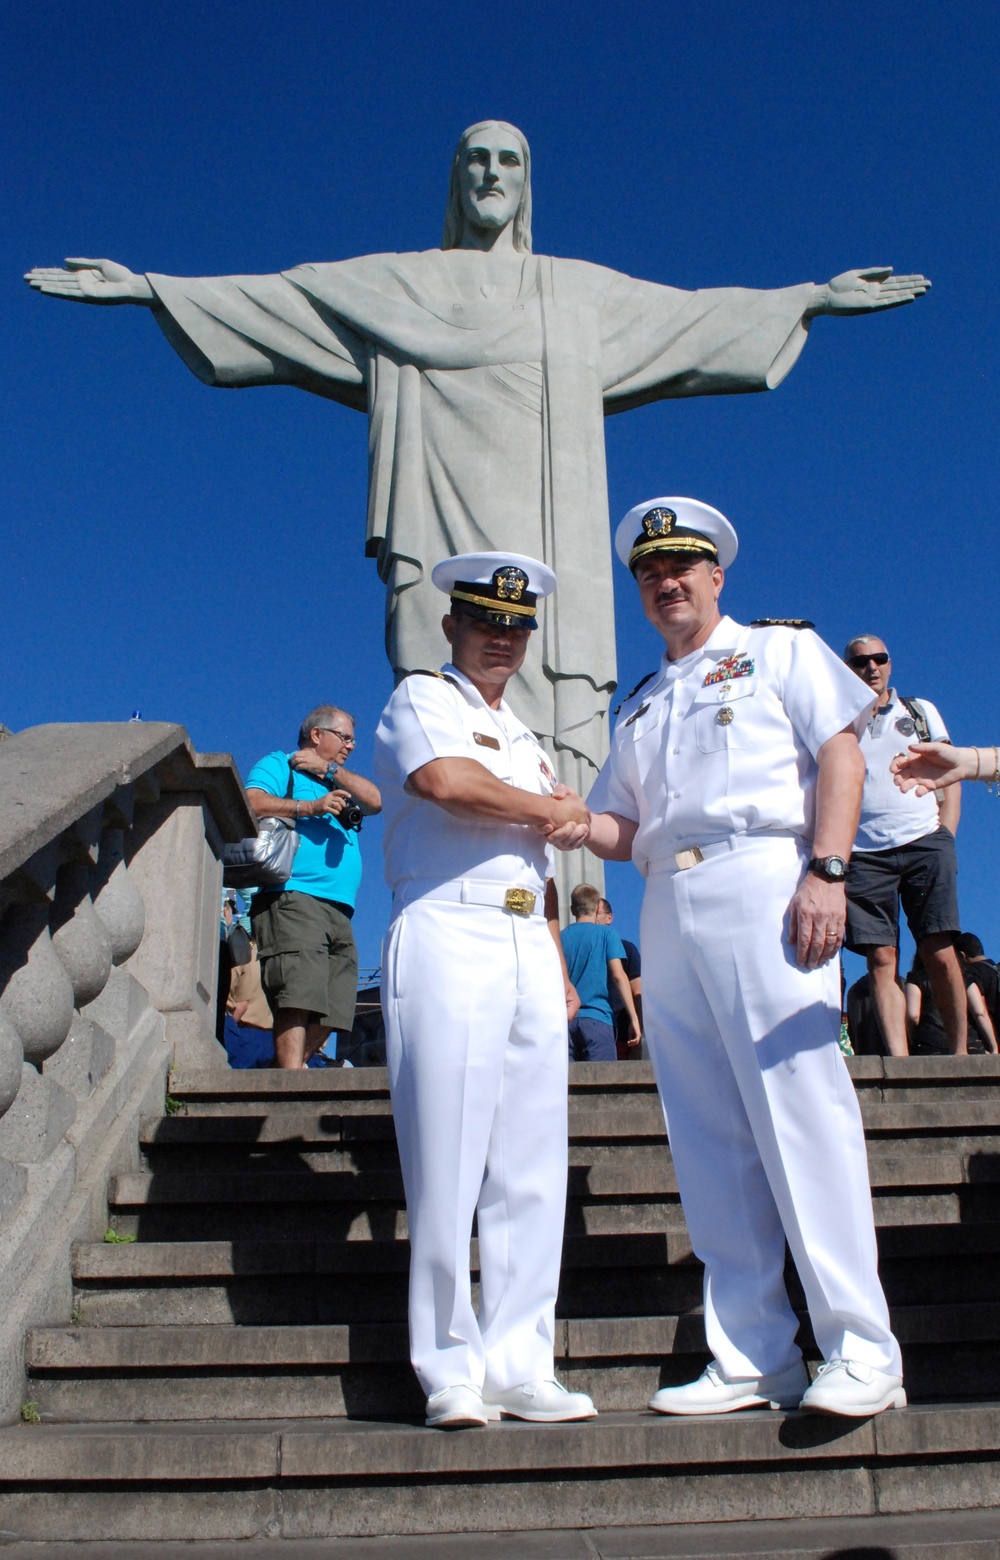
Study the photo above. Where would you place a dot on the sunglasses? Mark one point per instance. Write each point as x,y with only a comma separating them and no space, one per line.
857,663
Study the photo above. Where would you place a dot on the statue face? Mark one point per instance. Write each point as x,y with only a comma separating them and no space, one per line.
491,178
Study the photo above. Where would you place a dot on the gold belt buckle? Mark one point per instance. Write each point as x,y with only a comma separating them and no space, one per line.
688,858
519,901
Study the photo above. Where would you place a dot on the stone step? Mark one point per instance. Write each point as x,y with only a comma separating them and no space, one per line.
596,1169
242,1130
355,1176
949,1535
353,1223
223,1372
100,1261
273,1348
311,1479
885,1079
258,1282
927,1111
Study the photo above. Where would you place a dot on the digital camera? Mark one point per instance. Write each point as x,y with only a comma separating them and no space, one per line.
350,815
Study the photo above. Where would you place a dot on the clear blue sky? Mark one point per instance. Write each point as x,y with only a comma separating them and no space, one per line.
199,555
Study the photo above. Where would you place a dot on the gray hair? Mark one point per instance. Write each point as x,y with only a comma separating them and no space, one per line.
454,216
861,639
321,716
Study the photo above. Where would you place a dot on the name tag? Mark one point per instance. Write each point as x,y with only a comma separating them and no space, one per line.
484,741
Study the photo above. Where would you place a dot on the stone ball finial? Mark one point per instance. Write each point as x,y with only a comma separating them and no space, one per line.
116,899
35,991
11,1062
79,936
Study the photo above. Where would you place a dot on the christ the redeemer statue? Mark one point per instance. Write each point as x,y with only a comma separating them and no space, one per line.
486,372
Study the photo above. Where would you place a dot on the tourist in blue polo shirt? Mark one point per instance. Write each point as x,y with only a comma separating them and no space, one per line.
308,959
595,959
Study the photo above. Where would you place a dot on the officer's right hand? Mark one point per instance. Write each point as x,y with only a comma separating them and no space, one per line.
569,821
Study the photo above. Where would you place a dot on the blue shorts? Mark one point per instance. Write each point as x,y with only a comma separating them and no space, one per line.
590,1040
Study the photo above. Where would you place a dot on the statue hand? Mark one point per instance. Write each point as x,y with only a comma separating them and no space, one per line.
91,281
861,292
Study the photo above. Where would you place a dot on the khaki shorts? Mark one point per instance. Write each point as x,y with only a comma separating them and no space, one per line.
307,956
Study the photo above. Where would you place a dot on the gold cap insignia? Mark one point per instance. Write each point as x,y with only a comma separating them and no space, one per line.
658,522
510,583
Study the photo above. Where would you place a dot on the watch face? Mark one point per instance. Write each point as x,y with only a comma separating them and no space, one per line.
833,868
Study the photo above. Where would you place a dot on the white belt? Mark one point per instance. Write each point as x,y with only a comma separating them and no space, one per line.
684,860
513,898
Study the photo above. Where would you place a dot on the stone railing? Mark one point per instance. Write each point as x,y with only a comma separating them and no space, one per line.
110,837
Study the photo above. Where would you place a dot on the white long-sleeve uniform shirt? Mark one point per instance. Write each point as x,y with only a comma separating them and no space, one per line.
724,740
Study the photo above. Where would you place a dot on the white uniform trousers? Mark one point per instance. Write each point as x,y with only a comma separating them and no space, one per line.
762,1116
475,1016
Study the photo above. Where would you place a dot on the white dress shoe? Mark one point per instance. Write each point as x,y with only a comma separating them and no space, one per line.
456,1408
848,1387
543,1402
714,1393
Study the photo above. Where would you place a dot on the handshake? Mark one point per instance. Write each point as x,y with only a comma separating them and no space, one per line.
568,826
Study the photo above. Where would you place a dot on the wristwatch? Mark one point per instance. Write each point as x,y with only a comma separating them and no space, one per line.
831,868
332,770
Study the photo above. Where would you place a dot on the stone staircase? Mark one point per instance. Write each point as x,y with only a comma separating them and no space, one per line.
239,1368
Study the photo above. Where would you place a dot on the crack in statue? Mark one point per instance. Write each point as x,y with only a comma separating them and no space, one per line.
486,372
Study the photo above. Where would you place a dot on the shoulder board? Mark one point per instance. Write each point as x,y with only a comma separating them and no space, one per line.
782,623
640,684
422,671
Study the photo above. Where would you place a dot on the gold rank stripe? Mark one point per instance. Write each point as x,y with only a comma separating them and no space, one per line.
670,544
493,604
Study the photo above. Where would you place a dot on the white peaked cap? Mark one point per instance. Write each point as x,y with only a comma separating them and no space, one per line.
674,525
479,569
498,588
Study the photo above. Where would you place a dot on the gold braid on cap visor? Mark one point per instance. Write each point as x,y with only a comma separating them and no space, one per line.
493,604
672,543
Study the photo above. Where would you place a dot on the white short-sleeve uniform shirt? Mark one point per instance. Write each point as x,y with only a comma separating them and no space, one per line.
891,817
445,716
724,741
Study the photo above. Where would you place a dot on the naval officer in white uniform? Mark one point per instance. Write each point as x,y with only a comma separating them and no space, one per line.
475,1001
734,783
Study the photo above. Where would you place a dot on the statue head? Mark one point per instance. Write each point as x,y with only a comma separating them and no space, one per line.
490,184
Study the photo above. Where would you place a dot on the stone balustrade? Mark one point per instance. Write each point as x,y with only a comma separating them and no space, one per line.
110,880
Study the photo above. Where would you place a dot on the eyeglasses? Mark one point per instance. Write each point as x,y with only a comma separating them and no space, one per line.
857,663
347,741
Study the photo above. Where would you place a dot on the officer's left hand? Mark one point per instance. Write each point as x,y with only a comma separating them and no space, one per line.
817,916
569,836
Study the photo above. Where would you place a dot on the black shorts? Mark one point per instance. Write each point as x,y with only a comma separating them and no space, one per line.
923,876
307,956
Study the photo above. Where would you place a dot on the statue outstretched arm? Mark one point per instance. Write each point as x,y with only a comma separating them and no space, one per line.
92,281
862,292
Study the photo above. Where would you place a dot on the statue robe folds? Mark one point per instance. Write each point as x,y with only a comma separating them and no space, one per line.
485,417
